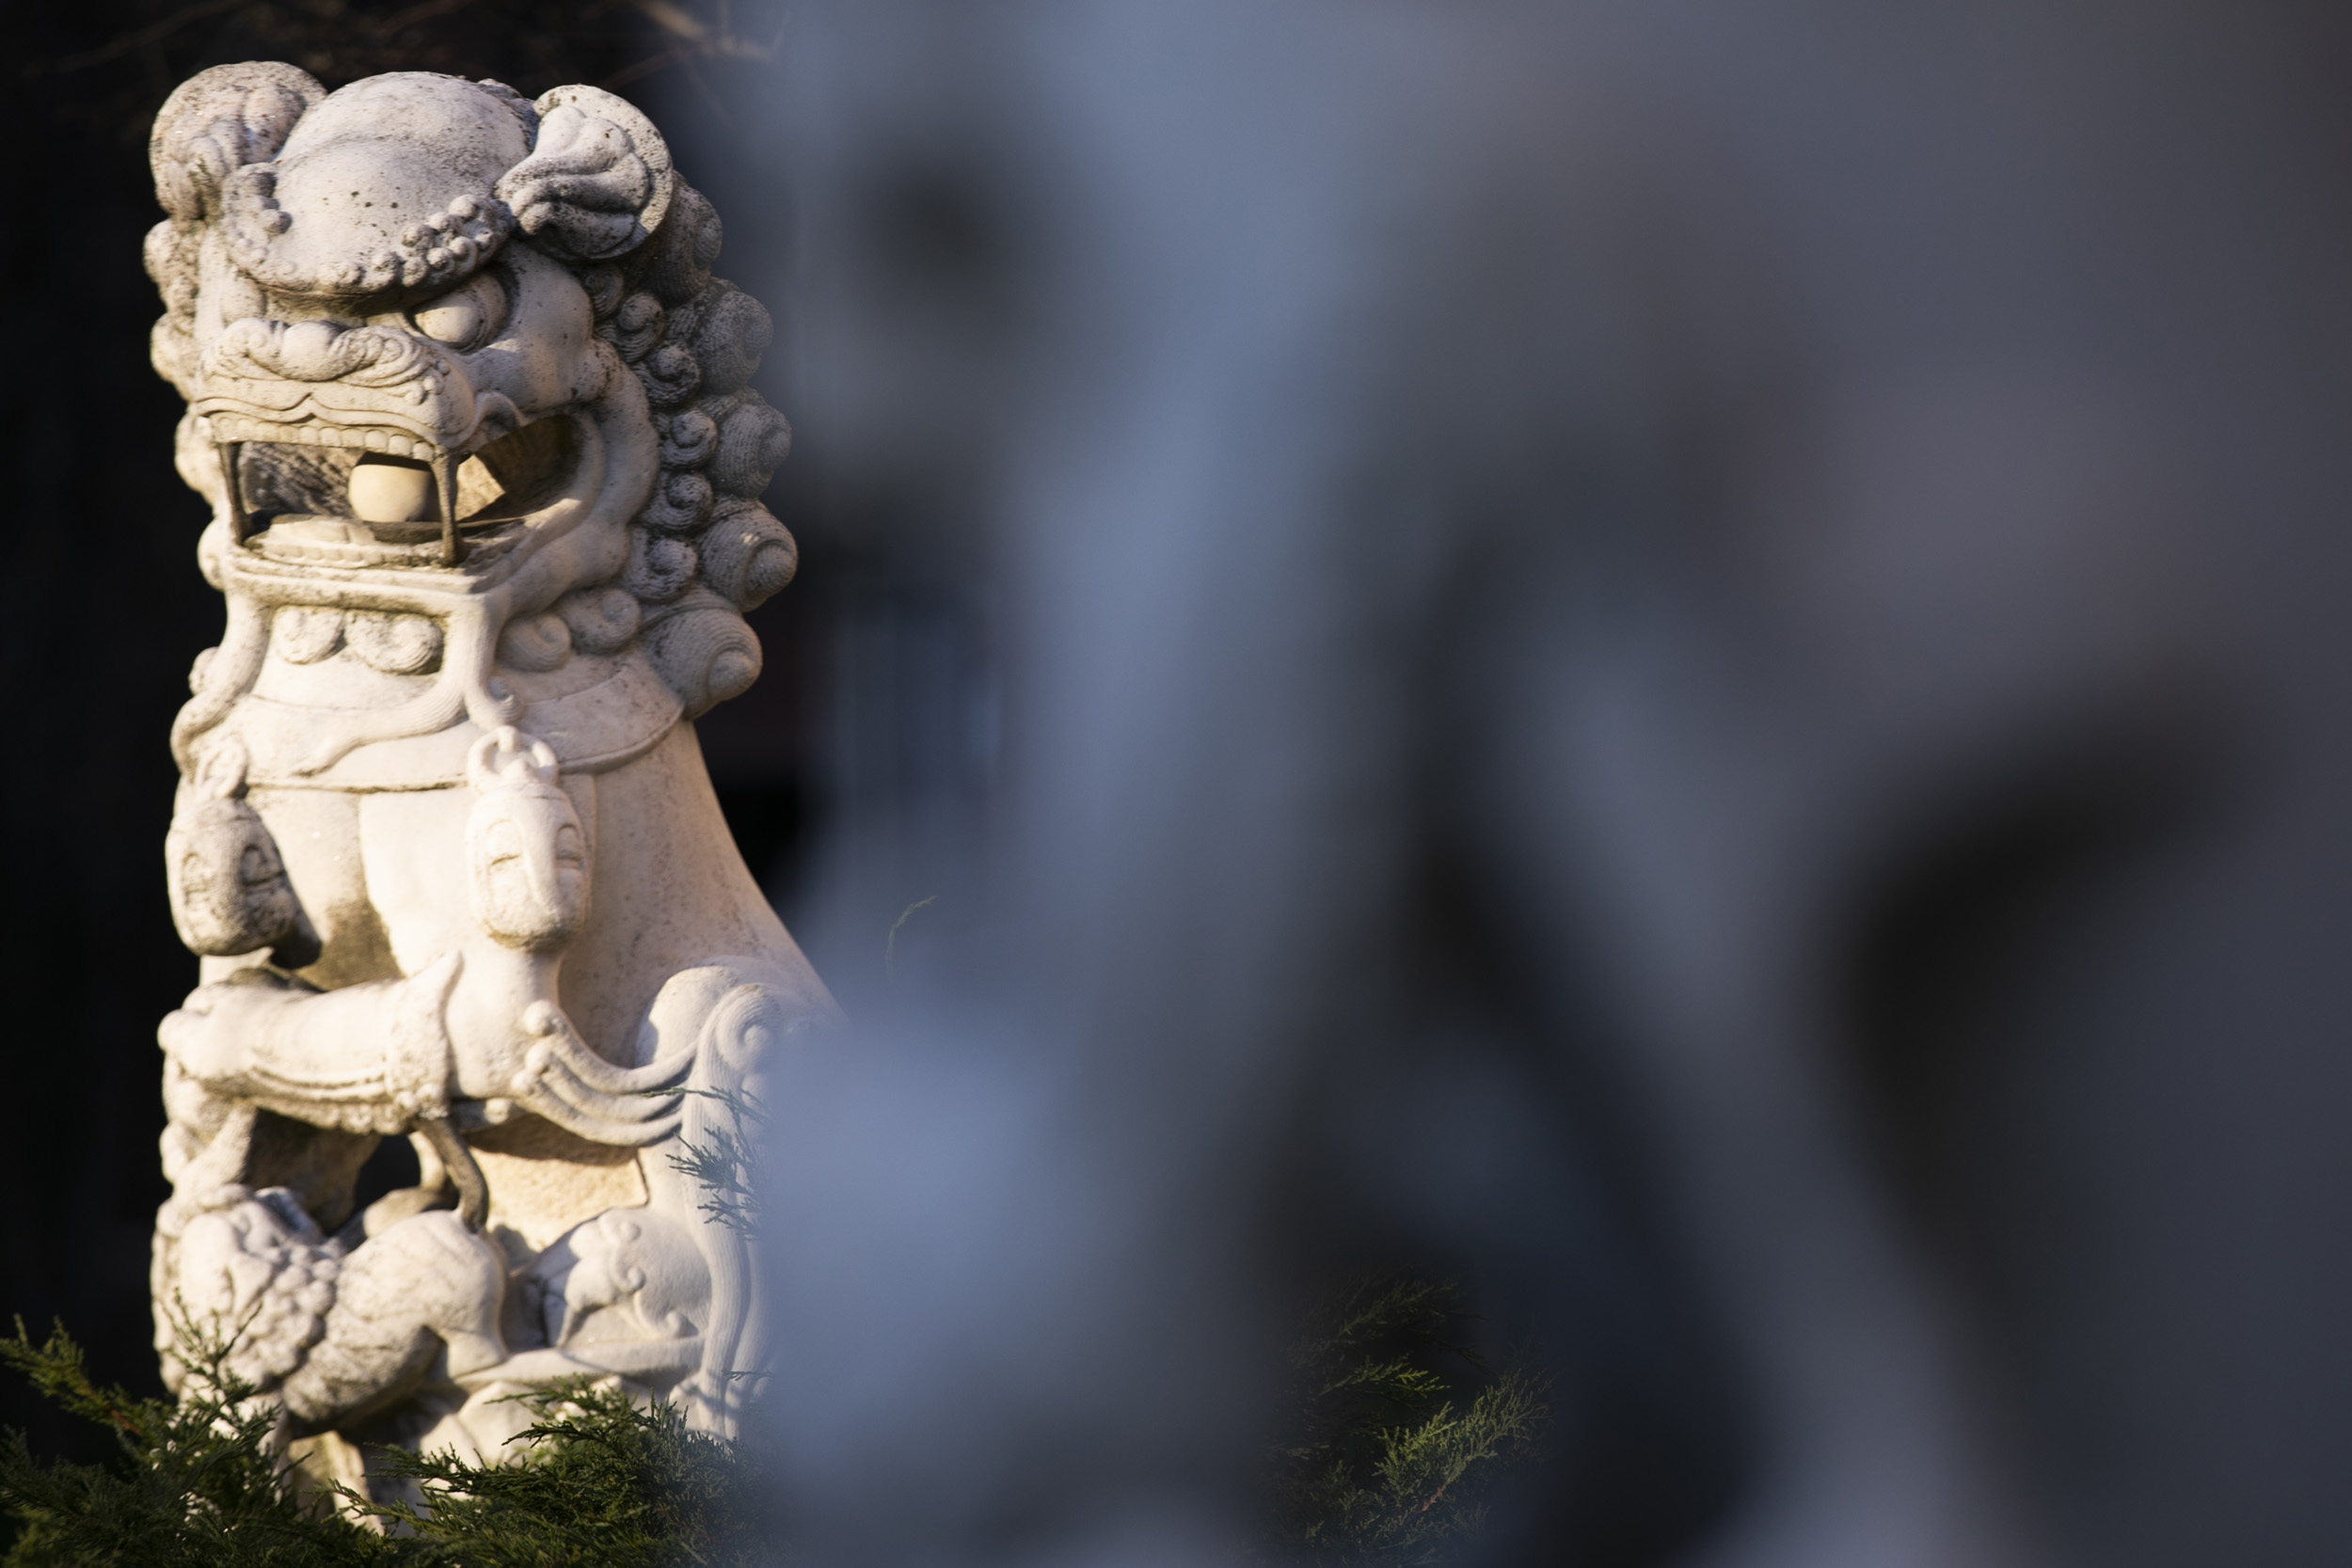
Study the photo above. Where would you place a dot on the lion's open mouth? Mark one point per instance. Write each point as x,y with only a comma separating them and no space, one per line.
353,495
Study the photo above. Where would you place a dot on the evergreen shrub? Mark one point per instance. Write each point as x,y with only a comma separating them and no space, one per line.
1398,1434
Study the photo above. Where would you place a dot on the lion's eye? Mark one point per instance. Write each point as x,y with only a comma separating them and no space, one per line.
465,317
502,843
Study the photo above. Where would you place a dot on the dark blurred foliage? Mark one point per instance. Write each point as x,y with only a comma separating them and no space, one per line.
1401,1429
106,609
118,70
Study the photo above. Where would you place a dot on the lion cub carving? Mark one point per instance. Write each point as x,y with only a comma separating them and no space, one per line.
474,421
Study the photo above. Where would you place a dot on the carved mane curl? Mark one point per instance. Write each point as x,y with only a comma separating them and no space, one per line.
703,550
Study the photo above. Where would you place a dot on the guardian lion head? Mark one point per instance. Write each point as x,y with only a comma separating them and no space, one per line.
440,339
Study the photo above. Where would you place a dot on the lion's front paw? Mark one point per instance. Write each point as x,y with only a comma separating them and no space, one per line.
208,1037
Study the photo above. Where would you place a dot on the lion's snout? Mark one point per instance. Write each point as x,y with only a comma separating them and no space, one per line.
313,351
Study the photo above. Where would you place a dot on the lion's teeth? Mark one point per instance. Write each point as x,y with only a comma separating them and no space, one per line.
227,427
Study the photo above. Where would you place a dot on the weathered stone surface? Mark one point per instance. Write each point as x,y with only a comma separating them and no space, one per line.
466,400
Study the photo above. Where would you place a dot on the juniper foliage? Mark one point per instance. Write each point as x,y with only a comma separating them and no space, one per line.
1401,1429
196,1485
603,1483
199,1483
1400,1432
731,1167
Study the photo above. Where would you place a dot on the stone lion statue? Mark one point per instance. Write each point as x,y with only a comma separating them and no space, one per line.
474,421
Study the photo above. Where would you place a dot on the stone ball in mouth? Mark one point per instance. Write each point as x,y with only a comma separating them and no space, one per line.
388,489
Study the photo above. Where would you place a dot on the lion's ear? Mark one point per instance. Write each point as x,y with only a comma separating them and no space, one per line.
217,121
597,180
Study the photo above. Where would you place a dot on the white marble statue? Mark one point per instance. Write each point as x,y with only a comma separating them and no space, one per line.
473,419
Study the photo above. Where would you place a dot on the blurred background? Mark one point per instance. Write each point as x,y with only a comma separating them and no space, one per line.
1679,664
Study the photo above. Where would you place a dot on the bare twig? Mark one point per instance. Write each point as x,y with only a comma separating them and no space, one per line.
414,14
890,944
645,67
670,19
